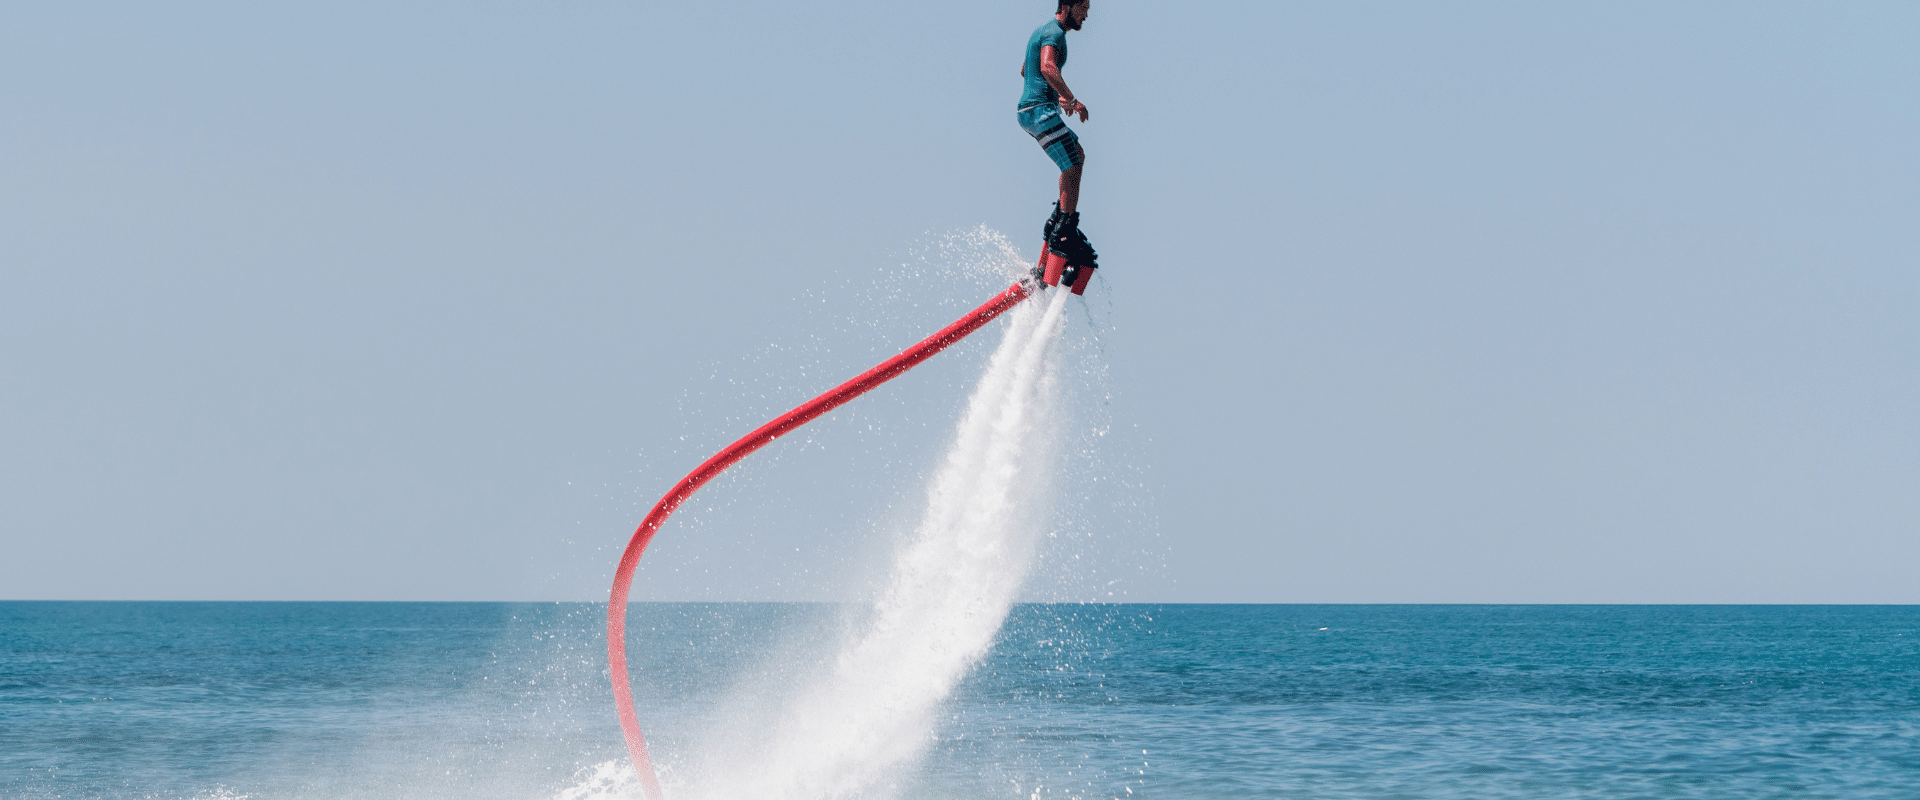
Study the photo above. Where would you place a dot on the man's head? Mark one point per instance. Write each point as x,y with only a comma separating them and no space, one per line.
1072,13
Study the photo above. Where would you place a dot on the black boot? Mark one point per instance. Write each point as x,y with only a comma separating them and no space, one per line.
1069,241
1046,235
1053,223
1063,235
1082,254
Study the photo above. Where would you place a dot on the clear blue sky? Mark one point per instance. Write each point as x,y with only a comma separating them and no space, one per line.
1606,302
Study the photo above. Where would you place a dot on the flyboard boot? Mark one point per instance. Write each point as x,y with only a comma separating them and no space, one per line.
1052,261
1079,260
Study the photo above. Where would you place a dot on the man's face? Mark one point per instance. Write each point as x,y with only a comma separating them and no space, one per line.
1077,14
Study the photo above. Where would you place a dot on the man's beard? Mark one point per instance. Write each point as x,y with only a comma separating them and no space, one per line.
1071,23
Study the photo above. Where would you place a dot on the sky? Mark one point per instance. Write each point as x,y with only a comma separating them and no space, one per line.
1399,302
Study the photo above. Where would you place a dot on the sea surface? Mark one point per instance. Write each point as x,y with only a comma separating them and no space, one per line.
1330,702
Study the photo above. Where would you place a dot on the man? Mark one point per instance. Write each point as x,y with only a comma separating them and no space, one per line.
1045,103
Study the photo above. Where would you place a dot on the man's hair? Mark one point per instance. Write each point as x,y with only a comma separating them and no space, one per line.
1064,4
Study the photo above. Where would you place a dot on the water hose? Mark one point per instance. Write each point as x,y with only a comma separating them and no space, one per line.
805,413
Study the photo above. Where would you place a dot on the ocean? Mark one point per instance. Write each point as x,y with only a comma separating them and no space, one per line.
508,700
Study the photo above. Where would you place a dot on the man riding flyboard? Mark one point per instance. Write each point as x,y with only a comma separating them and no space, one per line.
1046,102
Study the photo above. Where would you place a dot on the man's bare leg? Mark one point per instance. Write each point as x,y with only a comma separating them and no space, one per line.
1070,189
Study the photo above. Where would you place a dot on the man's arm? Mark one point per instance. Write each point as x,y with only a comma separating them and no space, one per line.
1050,70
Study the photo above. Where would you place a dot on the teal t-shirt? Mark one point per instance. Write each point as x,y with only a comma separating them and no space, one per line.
1037,91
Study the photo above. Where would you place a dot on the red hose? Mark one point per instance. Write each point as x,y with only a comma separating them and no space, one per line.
623,577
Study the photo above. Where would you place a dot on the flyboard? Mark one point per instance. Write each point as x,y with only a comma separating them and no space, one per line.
1053,270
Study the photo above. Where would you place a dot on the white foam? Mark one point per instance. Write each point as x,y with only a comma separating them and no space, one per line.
607,779
221,794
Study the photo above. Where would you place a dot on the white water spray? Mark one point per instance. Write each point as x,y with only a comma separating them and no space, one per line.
861,725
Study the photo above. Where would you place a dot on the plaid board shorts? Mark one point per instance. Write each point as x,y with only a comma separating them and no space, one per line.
1045,124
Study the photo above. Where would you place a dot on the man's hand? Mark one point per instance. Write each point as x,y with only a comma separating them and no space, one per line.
1072,107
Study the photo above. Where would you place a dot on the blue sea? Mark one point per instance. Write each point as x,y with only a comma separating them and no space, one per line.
500,700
